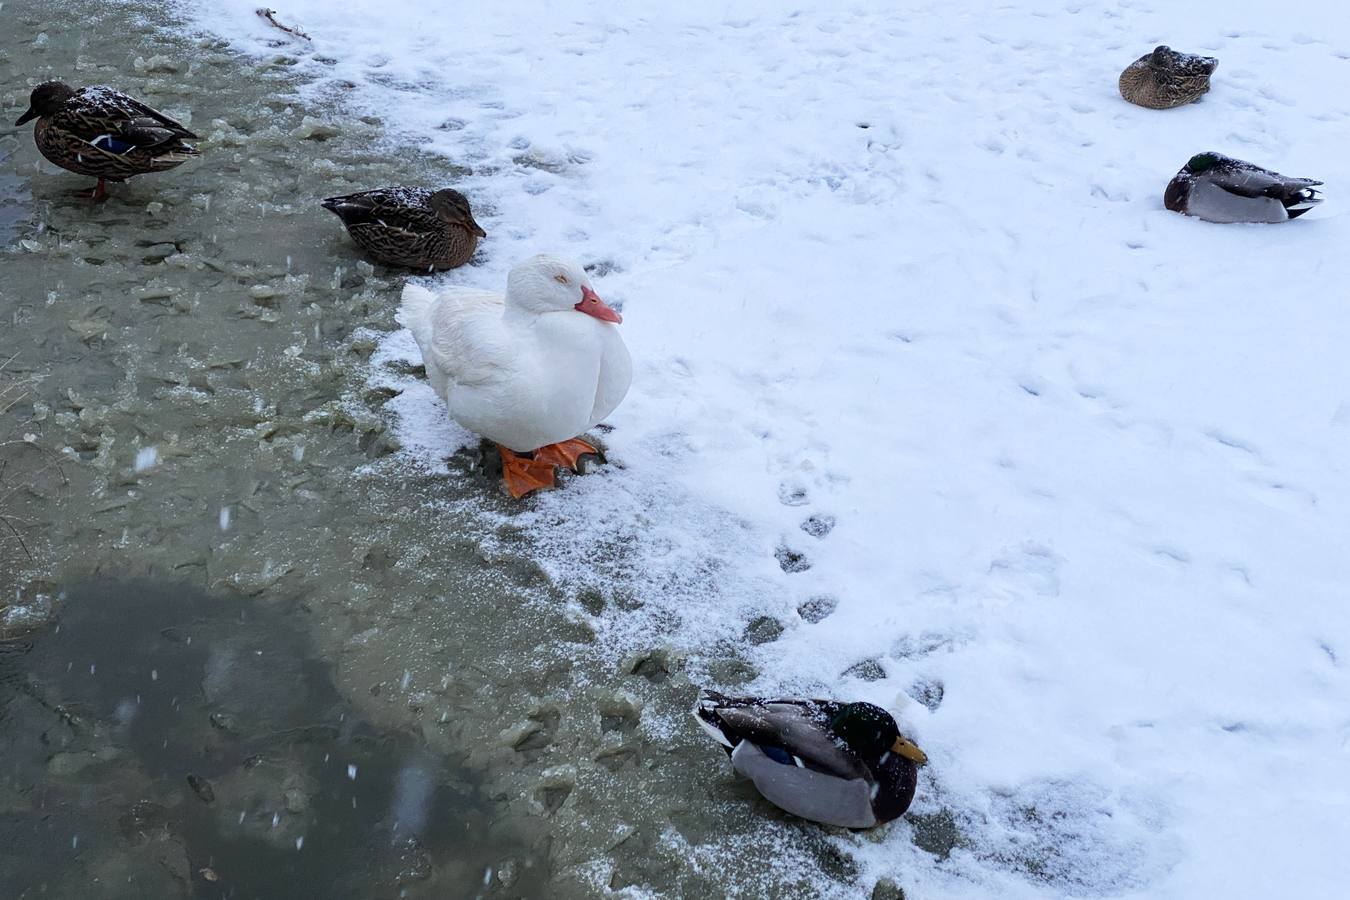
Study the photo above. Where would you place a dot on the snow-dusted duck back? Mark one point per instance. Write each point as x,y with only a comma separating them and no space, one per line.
411,227
1165,78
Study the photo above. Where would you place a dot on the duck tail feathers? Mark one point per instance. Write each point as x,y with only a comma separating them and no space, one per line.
1301,201
350,211
414,313
175,157
705,711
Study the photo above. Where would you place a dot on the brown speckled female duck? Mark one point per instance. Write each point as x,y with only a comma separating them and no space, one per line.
410,227
104,133
1165,78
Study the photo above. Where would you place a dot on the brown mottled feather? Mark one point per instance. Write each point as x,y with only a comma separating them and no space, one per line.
1165,78
400,226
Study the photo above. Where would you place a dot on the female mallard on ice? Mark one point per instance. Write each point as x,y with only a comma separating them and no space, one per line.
410,227
1165,78
1217,188
104,133
841,764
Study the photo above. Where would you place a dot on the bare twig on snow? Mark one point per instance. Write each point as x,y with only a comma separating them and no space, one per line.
270,15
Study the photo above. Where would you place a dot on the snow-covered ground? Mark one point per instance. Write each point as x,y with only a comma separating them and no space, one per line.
904,268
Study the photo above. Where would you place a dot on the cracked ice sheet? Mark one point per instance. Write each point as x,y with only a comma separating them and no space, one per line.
1086,457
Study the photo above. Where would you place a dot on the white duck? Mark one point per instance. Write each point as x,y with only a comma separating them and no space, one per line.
529,371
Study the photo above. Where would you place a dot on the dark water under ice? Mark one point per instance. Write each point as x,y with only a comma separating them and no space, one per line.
157,741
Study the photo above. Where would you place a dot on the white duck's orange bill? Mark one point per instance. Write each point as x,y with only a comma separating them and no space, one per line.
592,305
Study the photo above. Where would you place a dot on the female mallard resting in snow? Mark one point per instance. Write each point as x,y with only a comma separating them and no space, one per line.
529,371
1165,78
410,227
1218,188
103,133
841,764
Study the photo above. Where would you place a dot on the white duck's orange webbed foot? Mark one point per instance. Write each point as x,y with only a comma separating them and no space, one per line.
567,453
523,475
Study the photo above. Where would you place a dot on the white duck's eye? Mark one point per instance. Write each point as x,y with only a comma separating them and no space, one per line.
561,279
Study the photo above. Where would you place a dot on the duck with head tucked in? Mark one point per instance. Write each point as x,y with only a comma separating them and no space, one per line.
104,133
1166,78
1218,188
844,764
414,228
530,370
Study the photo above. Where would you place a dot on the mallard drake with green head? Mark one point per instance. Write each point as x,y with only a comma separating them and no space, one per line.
1165,78
842,764
1218,188
410,227
103,133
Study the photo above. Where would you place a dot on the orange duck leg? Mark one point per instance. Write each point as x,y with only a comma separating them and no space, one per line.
98,194
523,475
567,453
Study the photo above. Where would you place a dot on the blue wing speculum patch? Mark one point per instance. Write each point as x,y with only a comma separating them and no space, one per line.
110,144
777,754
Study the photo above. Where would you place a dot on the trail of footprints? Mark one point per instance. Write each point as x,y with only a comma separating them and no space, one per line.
817,608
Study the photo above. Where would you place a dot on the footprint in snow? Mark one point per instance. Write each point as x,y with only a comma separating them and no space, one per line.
818,525
817,609
1024,572
790,561
763,630
1285,496
1238,576
867,670
1172,554
928,691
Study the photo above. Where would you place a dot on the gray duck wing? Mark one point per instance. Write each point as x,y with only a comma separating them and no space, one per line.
793,732
1257,182
805,792
1212,201
148,133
